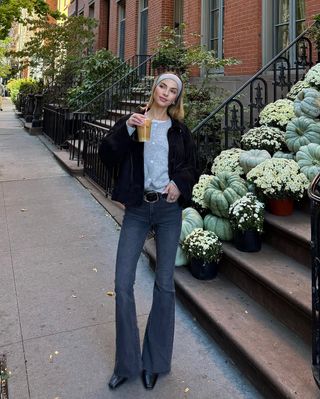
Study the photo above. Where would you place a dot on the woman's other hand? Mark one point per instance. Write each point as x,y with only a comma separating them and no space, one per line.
136,120
172,191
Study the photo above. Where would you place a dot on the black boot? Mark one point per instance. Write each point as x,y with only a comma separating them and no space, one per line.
116,381
149,379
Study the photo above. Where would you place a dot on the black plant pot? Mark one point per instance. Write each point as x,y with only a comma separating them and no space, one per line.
247,241
203,270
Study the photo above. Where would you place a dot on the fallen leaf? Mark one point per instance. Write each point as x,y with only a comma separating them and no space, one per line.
110,293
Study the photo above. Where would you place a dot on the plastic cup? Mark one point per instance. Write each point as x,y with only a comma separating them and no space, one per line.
144,131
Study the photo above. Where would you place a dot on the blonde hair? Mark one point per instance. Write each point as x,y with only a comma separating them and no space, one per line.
176,110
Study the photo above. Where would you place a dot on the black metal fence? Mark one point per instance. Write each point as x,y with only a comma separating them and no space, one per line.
92,165
123,96
57,124
81,101
314,195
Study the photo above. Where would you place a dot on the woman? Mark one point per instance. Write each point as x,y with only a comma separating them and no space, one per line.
155,180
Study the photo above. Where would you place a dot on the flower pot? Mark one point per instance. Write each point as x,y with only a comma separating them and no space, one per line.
247,241
202,270
280,207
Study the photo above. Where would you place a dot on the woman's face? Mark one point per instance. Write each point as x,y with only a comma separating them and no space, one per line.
165,93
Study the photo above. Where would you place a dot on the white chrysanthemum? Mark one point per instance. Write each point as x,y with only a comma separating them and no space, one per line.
228,161
264,137
280,112
203,244
296,88
279,178
313,75
199,188
247,213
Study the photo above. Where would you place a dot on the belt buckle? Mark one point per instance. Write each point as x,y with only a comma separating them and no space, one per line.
155,197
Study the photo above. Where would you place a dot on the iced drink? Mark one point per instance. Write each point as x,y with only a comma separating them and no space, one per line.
144,130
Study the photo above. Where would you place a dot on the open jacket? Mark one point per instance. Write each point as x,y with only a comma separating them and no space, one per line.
120,149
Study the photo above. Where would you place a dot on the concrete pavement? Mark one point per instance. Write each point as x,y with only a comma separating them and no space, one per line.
57,249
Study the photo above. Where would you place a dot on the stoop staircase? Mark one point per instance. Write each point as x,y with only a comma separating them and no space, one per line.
259,308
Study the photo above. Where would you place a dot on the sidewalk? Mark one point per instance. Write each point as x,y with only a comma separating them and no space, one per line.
57,249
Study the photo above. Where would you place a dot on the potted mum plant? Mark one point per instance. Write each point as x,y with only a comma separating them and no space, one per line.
277,114
281,182
198,193
246,217
204,250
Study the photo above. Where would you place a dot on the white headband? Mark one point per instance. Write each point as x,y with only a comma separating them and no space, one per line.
172,77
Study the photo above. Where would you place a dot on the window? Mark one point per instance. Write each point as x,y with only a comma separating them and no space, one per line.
289,22
122,29
178,16
143,34
215,42
91,10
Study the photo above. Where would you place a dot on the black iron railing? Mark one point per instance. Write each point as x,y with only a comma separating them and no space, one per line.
241,110
92,165
57,124
107,81
123,96
314,195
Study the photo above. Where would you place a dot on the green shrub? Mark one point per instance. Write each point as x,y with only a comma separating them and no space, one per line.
23,86
95,67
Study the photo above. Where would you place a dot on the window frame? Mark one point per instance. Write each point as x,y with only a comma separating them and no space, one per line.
206,27
121,20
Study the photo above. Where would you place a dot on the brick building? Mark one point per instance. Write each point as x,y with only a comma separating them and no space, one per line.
250,30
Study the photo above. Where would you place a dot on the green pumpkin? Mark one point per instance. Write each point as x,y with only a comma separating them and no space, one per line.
302,131
249,159
181,257
283,155
307,103
222,190
308,158
191,219
220,226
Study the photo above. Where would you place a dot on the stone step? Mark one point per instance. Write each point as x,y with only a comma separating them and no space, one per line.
274,280
75,144
276,360
119,113
290,235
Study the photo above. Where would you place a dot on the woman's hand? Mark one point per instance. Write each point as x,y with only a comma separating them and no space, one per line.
172,191
136,120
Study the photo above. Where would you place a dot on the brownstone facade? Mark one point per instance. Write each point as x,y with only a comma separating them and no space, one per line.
246,28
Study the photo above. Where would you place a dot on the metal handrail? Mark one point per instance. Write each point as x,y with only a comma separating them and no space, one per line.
123,78
312,189
106,77
315,256
255,76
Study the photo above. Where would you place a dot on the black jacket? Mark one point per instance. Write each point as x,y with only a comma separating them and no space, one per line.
119,148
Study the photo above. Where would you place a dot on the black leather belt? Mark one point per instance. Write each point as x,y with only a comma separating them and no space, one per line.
153,196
